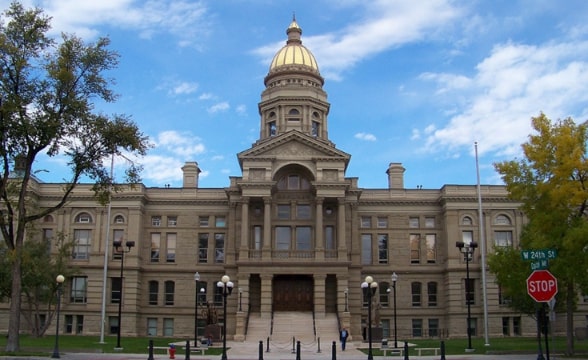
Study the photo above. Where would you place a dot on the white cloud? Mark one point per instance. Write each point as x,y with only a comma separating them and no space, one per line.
219,107
206,96
184,145
241,109
184,88
365,136
514,83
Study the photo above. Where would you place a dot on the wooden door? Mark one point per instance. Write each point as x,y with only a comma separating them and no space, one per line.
293,293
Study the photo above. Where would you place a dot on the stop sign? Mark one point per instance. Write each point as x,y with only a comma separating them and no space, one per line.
542,285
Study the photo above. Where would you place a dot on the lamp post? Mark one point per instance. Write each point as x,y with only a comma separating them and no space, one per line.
346,299
196,279
369,287
60,279
394,279
240,298
226,287
118,247
467,249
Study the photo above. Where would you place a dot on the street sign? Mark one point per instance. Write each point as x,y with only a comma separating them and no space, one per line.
542,254
539,264
541,285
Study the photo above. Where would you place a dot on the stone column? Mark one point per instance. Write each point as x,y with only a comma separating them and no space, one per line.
341,233
244,246
319,232
266,295
267,229
319,295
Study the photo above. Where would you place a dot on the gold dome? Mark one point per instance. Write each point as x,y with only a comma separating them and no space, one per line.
294,53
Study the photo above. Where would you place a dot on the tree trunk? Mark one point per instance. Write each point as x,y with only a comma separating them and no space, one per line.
571,294
13,341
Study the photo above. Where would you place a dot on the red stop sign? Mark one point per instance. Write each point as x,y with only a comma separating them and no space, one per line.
542,285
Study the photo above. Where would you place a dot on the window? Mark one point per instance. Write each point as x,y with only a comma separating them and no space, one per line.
470,291
119,219
81,250
384,289
115,290
68,324
219,248
218,295
385,328
303,238
383,248
48,219
284,212
156,221
283,237
429,222
516,325
220,222
151,327
473,326
117,235
503,238
303,212
413,222
417,327
202,285
83,218
155,246
382,222
315,128
78,289
416,293
415,248
293,182
47,237
153,292
467,237
330,237
467,221
433,327
366,222
202,248
366,249
502,298
113,324
168,327
432,293
430,243
257,237
171,239
506,326
169,292
203,221
502,220
172,221
272,128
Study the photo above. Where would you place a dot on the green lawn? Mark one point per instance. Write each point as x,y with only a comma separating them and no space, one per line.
138,345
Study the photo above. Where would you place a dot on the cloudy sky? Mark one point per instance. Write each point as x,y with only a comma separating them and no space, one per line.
415,82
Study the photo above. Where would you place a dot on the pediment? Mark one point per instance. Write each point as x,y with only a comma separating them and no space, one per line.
294,145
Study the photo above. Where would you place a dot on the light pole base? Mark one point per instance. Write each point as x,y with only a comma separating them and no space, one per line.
470,350
118,349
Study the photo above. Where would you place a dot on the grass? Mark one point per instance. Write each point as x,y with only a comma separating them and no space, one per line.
31,346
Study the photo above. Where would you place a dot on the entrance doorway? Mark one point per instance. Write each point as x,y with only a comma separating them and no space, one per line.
293,293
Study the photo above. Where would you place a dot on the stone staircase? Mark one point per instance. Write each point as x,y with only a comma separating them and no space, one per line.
258,329
293,324
327,329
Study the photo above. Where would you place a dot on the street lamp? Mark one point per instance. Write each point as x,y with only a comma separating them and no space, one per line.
467,249
346,299
60,279
117,244
369,287
240,298
196,279
394,279
226,287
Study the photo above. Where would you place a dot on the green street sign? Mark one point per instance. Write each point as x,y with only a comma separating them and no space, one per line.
543,254
540,264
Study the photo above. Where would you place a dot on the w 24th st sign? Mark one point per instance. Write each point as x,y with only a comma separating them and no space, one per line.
541,285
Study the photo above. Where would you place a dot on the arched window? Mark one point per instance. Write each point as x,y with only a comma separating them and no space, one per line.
466,220
48,219
502,220
83,218
119,219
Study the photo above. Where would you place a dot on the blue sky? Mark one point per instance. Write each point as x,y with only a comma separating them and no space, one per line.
415,82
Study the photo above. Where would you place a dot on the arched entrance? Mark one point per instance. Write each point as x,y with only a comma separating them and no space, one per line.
293,293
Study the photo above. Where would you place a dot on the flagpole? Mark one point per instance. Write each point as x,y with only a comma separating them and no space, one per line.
482,250
106,247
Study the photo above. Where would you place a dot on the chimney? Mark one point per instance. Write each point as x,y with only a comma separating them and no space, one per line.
191,172
395,176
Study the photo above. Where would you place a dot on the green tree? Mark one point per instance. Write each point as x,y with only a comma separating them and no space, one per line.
47,95
551,184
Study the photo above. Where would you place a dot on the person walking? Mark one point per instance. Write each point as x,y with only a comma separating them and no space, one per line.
343,337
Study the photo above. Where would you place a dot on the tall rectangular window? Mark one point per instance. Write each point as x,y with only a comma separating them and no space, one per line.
503,238
168,327
170,247
153,292
505,326
470,289
430,243
432,293
433,327
330,237
113,324
151,326
384,290
68,324
79,324
366,249
383,248
117,235
155,246
47,238
516,325
202,248
416,293
283,237
303,238
467,236
302,211
79,285
415,248
417,327
257,237
82,239
115,290
284,212
169,288
219,248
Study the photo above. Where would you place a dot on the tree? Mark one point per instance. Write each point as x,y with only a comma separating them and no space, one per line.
47,89
551,183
